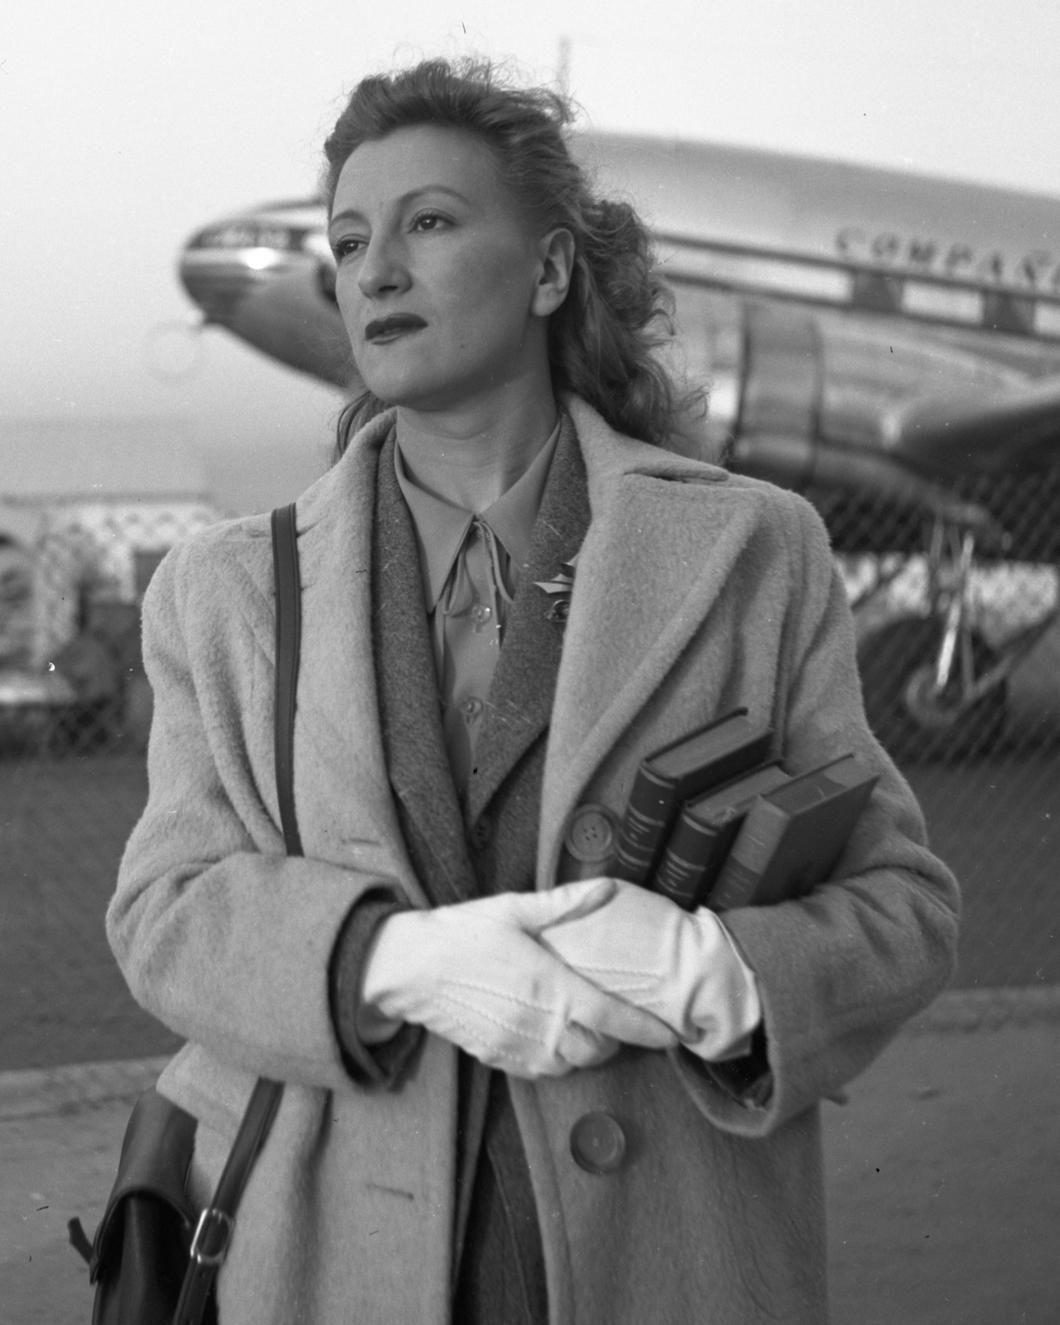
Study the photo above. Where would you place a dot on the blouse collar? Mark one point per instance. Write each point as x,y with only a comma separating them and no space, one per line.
442,527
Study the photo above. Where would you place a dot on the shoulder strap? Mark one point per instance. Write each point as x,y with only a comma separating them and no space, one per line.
288,647
209,1246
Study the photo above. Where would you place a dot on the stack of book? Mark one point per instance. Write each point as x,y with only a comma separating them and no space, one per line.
711,821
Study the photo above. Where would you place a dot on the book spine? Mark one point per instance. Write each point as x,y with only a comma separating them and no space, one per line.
648,814
680,871
749,858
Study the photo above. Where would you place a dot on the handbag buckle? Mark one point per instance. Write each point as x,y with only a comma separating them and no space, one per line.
213,1233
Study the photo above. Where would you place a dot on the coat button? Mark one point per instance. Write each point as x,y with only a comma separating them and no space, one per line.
597,1143
482,832
590,834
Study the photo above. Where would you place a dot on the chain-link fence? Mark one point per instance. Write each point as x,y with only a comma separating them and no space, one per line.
959,650
959,653
75,709
73,683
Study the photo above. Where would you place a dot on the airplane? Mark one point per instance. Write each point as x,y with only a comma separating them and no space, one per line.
884,342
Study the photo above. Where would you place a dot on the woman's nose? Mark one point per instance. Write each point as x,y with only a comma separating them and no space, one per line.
382,268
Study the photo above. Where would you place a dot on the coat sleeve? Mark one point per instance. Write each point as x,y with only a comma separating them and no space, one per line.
840,970
218,933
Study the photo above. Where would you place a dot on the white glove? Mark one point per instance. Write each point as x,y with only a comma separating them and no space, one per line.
681,966
475,974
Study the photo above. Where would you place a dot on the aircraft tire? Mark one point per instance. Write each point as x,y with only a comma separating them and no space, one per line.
895,664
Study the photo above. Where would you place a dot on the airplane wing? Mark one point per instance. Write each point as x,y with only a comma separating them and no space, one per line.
954,433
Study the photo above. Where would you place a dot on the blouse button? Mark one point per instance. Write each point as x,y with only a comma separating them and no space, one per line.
598,1143
471,708
481,832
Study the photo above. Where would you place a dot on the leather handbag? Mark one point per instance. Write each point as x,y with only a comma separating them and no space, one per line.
151,1261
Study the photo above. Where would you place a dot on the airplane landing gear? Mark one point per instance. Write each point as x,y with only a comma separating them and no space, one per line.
933,687
910,713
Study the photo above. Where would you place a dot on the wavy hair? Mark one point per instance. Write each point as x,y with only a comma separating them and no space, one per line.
603,339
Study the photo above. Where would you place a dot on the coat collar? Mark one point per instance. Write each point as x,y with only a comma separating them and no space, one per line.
665,534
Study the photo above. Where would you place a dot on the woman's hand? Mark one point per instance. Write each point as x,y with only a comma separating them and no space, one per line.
475,974
680,966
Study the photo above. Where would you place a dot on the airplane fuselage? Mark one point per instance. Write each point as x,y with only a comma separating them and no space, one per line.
864,317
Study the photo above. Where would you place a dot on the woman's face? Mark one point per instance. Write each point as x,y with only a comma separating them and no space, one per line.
444,289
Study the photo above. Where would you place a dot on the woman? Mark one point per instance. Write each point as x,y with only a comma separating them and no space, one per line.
650,1150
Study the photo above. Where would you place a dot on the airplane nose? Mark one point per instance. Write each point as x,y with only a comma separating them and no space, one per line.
221,265
217,288
267,277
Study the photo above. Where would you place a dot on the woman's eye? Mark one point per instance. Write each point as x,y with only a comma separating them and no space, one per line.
428,221
345,247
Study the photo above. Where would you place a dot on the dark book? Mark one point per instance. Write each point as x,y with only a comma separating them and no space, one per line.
684,768
792,838
705,830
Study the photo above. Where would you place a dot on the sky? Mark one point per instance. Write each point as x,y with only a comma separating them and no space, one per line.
126,126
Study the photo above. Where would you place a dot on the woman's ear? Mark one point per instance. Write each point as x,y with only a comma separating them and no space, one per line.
556,252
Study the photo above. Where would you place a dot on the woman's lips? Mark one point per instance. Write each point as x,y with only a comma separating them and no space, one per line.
385,329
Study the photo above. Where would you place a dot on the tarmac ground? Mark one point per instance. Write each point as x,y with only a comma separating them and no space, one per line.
943,1173
943,1169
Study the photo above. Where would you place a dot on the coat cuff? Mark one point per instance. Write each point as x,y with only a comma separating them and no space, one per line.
748,1079
376,1064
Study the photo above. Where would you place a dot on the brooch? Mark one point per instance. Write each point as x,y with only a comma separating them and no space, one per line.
559,591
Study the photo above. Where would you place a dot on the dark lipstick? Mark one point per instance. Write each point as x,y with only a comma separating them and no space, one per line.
385,326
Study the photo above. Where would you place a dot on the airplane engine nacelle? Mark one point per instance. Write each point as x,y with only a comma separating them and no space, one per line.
783,375
778,437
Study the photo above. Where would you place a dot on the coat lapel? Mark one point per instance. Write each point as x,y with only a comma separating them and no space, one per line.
519,707
413,740
665,535
346,812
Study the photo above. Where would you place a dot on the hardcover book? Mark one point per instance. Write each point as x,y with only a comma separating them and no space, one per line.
684,768
793,837
705,830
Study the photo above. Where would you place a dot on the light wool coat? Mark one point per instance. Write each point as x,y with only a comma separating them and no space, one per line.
695,591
